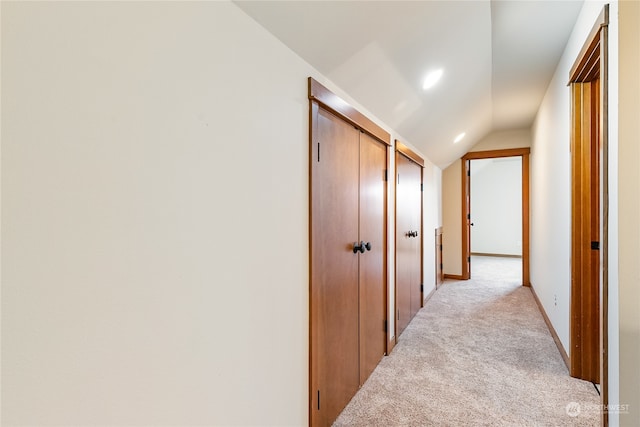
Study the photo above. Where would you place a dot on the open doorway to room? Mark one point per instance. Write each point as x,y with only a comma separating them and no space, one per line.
468,220
496,218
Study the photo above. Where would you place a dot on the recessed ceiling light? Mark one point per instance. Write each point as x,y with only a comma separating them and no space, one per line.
459,137
431,79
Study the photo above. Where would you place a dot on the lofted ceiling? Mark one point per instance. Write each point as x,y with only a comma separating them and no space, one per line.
498,58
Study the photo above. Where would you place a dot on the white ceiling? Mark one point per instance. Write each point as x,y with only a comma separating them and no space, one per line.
498,58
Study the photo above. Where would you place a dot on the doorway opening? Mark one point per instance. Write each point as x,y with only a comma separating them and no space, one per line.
496,216
468,220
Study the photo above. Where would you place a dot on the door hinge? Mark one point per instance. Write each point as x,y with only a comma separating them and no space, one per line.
468,216
398,178
386,175
385,326
441,266
398,314
595,246
468,172
468,259
421,187
421,287
318,151
318,400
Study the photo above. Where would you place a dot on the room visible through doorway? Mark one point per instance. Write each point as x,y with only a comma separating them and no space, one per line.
467,221
496,210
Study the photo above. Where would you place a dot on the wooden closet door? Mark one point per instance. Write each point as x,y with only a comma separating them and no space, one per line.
403,248
373,162
408,249
415,181
334,276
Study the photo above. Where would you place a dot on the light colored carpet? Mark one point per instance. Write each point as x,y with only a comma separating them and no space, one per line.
479,353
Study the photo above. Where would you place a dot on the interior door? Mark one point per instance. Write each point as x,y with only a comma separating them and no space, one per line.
373,162
439,266
585,337
466,235
334,275
408,238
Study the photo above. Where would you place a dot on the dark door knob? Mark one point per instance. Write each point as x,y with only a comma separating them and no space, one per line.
415,234
367,246
358,247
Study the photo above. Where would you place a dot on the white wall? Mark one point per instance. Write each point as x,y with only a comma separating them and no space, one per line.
504,139
551,197
452,194
496,206
154,216
155,255
628,210
432,206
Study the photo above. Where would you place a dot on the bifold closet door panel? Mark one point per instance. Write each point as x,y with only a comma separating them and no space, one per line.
334,276
408,237
373,162
404,246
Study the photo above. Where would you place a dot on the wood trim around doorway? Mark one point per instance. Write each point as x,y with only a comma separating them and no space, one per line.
439,261
590,52
338,106
526,269
493,154
409,153
465,170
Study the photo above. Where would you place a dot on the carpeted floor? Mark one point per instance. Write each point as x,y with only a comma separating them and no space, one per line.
479,353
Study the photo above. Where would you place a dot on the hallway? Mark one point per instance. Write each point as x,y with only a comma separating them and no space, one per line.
478,353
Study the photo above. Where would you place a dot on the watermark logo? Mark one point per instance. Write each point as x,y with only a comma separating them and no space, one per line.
573,409
616,409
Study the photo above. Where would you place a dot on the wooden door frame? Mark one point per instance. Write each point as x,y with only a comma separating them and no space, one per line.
466,180
591,64
439,266
321,97
403,150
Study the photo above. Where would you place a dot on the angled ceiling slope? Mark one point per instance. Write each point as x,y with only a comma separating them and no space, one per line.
498,58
